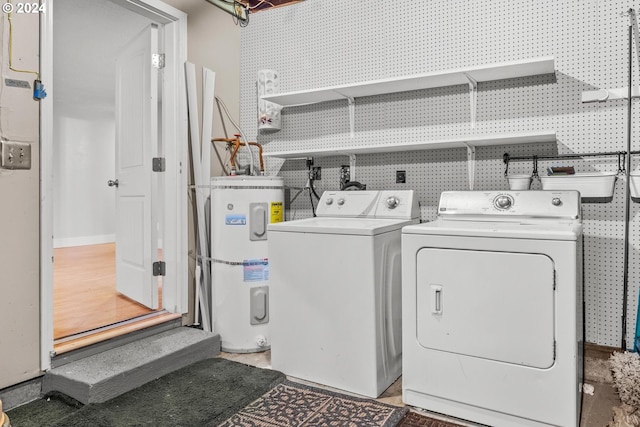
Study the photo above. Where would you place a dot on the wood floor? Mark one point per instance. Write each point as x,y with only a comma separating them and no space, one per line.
85,295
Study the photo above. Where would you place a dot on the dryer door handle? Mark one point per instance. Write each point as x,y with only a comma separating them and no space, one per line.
436,299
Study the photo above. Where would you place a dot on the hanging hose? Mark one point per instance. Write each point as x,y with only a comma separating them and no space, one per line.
313,208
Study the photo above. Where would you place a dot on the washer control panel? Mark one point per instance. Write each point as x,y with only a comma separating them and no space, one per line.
401,204
348,203
516,204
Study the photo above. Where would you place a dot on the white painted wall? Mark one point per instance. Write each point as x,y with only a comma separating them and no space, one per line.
84,160
214,42
19,211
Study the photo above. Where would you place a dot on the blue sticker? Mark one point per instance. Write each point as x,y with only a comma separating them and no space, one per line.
255,270
235,220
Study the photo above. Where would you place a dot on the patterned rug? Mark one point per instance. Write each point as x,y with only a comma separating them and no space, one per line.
416,420
291,404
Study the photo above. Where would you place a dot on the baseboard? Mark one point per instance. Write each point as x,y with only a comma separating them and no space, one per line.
19,394
599,351
83,240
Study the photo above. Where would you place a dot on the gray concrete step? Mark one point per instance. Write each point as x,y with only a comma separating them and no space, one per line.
103,376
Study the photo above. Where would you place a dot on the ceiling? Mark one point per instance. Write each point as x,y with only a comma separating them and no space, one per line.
88,35
258,5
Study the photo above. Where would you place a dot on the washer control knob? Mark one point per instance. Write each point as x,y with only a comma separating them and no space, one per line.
503,202
340,201
556,201
392,202
329,201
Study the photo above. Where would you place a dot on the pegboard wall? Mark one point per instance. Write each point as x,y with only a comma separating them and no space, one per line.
320,43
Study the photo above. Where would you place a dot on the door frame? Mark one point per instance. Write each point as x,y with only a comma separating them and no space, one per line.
174,131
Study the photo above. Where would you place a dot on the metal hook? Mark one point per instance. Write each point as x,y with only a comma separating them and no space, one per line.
505,159
535,167
622,156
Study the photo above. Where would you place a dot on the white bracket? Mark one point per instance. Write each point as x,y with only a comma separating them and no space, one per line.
471,164
473,94
352,117
601,95
352,167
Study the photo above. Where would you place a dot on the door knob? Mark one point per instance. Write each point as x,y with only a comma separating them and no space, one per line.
112,183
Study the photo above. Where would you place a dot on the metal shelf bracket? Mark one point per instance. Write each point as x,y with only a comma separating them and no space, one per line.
352,167
352,117
473,98
471,164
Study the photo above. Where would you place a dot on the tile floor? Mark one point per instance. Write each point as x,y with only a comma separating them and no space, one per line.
596,407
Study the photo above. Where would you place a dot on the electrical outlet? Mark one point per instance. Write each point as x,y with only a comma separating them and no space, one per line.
15,155
401,177
316,173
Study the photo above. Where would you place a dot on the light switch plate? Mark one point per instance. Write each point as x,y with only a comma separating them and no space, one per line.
15,155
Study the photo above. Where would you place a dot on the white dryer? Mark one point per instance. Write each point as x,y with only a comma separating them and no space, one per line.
492,308
335,290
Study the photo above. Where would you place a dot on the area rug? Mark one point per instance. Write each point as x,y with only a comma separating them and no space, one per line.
412,419
291,404
200,395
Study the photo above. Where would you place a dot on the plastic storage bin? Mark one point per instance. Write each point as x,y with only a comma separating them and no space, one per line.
519,182
590,185
634,184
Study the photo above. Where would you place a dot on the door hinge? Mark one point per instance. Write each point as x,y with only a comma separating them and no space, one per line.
555,349
158,164
554,280
157,60
159,268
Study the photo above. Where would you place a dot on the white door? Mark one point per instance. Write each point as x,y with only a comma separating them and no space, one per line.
136,137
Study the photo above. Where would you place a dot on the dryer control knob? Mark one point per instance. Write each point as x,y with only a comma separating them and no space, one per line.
503,202
340,201
556,201
329,201
393,202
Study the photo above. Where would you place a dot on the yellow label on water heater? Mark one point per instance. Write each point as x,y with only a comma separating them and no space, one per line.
277,212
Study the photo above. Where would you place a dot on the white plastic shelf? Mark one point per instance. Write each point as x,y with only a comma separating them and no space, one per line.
484,73
462,142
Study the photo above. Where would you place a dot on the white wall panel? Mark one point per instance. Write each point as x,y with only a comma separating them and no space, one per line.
319,43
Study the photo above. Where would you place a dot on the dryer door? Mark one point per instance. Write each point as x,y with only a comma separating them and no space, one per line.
492,305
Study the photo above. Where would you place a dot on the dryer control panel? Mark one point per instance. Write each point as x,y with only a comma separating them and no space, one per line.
510,204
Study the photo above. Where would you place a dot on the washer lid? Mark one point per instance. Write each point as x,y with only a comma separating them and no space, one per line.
535,230
345,226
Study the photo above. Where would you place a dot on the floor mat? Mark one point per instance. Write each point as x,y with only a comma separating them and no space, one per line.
413,419
203,394
291,404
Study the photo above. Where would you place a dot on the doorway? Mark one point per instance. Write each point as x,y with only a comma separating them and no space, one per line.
82,296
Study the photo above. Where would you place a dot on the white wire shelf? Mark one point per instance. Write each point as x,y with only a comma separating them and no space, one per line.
484,73
462,142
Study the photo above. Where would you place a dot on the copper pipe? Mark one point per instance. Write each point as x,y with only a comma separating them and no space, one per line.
236,145
259,154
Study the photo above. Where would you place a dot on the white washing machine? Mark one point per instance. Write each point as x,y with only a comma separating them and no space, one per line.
335,290
492,309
